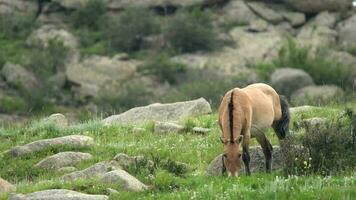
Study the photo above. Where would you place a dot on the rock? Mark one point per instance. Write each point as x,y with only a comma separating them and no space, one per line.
257,163
153,42
317,95
258,25
71,141
316,6
63,159
167,127
18,7
98,75
319,32
294,18
46,33
57,194
265,12
18,76
312,123
57,119
201,130
236,12
348,65
123,178
94,171
161,112
301,109
347,30
119,4
111,191
6,186
287,80
138,130
67,169
71,4
127,162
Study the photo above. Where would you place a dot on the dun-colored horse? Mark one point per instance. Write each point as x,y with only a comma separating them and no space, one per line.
246,113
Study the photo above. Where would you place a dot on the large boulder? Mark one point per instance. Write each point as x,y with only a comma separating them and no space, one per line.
319,32
317,95
57,194
124,179
57,119
94,171
348,65
5,186
247,48
125,161
167,127
288,80
257,163
236,12
18,76
18,6
43,35
347,30
316,6
119,4
98,75
71,141
265,12
161,112
71,4
63,159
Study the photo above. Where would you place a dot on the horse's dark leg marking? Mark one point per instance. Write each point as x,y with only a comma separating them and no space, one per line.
266,147
246,159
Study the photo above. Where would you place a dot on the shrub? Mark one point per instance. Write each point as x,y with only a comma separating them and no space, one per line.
198,83
46,61
16,25
126,32
191,31
90,16
323,70
131,95
163,69
11,104
326,150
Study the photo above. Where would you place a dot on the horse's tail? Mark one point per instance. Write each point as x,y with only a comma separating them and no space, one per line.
281,127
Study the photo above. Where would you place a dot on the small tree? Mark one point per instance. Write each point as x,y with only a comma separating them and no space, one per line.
126,32
191,31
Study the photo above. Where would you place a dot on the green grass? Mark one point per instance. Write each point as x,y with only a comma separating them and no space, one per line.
195,150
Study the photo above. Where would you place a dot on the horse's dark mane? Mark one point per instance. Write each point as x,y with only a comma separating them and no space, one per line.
231,117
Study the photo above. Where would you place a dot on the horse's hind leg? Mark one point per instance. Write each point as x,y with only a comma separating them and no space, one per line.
266,147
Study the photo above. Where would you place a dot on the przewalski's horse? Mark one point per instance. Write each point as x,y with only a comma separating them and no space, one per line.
246,113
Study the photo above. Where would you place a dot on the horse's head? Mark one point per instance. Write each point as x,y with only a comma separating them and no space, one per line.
232,156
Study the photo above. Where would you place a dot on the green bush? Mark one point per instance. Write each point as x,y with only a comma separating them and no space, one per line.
326,149
163,69
198,83
47,61
191,31
90,16
131,95
322,69
12,104
16,25
126,32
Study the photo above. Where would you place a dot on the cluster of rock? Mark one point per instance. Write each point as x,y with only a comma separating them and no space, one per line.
260,34
299,87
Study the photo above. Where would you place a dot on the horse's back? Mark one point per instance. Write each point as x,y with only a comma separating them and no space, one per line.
265,104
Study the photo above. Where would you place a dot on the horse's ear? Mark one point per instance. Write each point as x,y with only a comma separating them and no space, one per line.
240,139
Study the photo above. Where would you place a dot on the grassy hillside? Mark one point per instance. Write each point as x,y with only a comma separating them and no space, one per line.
167,180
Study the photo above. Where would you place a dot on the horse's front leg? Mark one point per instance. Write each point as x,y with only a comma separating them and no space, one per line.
245,151
246,159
